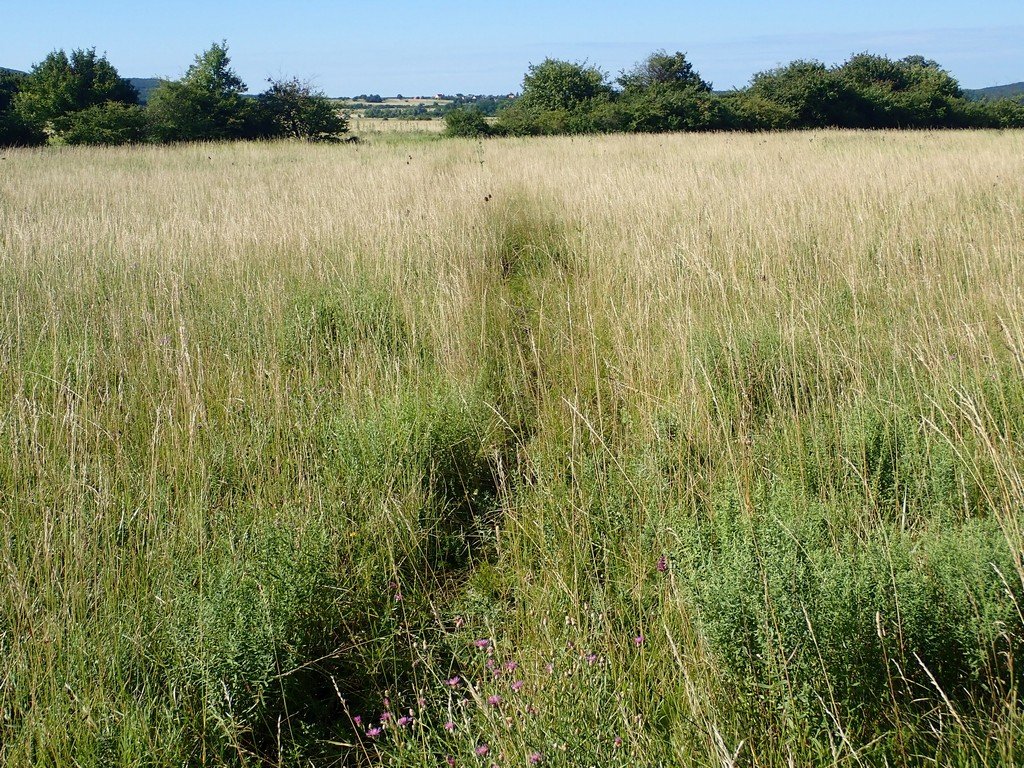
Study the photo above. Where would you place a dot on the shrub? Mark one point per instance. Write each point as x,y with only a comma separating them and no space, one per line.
295,110
466,122
109,123
804,611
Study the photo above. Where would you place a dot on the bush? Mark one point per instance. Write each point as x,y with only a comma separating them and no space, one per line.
804,612
466,122
294,109
109,123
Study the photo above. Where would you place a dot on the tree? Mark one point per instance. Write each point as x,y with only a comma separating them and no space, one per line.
914,92
815,95
665,93
294,109
14,130
466,122
661,68
207,104
562,85
558,97
61,85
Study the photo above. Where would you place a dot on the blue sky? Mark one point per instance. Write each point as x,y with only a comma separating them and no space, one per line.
484,46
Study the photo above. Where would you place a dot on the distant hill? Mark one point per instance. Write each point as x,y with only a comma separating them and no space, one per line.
145,86
5,70
1011,91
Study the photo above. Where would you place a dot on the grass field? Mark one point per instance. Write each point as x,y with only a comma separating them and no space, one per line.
697,450
364,126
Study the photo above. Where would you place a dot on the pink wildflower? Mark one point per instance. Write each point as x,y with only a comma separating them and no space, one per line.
482,750
374,732
449,726
662,564
638,640
453,682
404,721
535,758
494,700
482,643
517,685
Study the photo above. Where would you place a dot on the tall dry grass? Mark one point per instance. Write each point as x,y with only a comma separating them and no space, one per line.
715,440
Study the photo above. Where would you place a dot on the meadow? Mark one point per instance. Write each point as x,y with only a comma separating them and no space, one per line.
699,450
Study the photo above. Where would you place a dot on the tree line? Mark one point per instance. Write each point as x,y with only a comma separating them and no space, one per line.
81,99
665,93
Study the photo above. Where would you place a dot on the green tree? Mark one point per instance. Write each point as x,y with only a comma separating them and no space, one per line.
914,92
665,69
817,96
14,130
562,85
294,109
62,84
207,104
558,97
665,93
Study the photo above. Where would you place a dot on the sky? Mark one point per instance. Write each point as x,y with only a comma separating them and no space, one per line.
485,46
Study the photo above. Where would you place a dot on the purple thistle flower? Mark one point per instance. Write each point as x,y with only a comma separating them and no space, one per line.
482,750
591,658
494,700
453,682
450,760
662,564
404,721
535,758
618,742
511,666
374,732
449,726
482,643
517,685
358,719
638,640
385,716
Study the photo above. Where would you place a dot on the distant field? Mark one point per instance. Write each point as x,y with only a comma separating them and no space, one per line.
361,126
653,450
392,108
